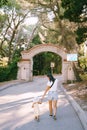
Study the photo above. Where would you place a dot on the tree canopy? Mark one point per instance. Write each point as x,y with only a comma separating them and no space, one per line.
9,3
56,30
3,2
76,11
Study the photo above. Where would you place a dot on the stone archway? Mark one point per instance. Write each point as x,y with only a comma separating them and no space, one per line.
26,64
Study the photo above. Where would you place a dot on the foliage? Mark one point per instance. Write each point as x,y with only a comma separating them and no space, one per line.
36,40
9,72
83,76
74,9
2,19
83,62
81,34
42,63
76,12
9,3
3,2
49,12
8,41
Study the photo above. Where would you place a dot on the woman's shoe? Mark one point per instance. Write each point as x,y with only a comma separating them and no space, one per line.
54,117
50,115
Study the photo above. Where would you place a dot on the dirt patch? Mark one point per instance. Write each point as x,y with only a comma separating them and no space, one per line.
79,92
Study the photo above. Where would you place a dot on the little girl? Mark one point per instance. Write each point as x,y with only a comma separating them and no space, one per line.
35,105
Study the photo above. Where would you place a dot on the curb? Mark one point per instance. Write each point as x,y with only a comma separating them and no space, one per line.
79,111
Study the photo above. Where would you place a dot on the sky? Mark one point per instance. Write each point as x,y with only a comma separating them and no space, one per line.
31,21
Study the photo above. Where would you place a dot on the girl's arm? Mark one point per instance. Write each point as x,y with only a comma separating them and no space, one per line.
33,104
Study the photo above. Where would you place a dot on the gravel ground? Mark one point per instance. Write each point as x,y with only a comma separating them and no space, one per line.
78,91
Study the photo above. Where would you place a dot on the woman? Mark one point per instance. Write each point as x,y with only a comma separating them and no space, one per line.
52,95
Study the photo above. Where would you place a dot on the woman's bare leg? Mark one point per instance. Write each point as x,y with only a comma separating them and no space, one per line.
50,107
54,103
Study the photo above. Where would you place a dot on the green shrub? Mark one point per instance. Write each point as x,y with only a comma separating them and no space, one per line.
9,72
3,73
83,62
83,76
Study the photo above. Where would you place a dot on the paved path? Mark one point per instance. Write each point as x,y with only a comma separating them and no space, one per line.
16,112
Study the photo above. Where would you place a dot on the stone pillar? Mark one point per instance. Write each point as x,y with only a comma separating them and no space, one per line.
19,72
65,71
30,70
71,75
24,71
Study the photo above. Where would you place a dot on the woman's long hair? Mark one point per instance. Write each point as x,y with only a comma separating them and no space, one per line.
51,78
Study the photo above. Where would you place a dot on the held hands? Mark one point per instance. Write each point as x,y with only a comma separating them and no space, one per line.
40,101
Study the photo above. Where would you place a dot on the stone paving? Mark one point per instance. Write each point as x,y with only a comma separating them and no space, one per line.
16,111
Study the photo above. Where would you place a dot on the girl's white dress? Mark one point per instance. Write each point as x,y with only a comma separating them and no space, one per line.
36,106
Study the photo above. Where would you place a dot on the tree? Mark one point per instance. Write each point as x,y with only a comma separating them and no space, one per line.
76,11
57,30
14,19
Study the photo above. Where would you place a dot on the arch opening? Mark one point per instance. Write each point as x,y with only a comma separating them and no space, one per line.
42,63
